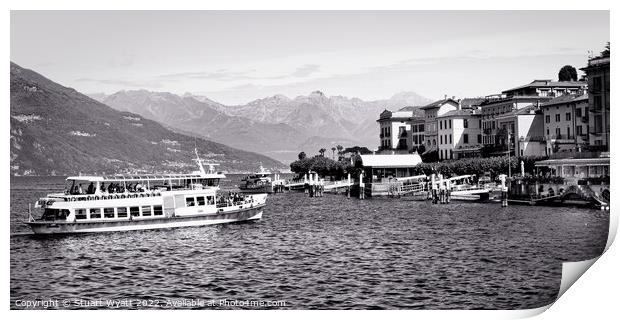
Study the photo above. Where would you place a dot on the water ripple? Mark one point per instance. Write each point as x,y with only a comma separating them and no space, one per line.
317,253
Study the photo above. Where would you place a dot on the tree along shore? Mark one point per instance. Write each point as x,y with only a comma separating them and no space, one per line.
478,166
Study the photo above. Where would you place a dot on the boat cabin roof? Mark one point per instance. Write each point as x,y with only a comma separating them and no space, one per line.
148,177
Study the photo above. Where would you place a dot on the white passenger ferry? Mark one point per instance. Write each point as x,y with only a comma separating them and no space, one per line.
137,202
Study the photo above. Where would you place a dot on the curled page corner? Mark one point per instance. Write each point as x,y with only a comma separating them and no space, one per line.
571,271
613,229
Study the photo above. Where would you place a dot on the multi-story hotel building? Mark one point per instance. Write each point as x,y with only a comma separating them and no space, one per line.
521,132
500,116
400,130
460,134
431,112
566,123
597,73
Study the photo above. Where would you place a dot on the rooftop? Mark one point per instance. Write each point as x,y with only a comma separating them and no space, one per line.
565,99
531,109
504,99
549,83
439,103
415,109
597,62
459,113
402,114
391,160
468,103
573,161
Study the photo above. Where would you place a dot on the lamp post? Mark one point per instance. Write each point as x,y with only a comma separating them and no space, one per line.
508,143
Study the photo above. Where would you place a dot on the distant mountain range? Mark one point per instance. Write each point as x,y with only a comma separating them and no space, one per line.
277,126
57,130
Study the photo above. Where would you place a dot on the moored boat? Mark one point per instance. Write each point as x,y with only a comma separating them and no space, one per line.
258,182
138,202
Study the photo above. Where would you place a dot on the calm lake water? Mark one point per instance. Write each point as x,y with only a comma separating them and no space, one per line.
315,253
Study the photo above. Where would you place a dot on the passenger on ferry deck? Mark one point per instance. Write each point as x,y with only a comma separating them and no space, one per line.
139,187
80,190
90,190
111,188
102,187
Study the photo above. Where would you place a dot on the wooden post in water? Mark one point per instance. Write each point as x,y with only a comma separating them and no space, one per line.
434,189
448,191
348,185
502,178
361,186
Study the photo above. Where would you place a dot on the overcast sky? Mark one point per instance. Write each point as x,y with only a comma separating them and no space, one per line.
236,57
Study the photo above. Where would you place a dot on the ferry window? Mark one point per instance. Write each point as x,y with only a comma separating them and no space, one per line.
95,213
200,200
189,202
121,212
55,214
157,211
134,211
108,212
80,214
146,211
210,200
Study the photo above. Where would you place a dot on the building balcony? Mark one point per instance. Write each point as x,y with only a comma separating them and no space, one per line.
562,139
578,155
532,138
468,148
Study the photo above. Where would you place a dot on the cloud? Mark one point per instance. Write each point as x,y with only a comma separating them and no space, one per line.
228,75
306,70
220,74
123,82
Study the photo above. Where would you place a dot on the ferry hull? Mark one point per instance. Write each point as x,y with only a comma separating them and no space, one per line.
146,224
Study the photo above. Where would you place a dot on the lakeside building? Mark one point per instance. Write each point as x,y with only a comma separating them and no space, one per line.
584,175
400,130
566,123
459,134
431,112
521,132
597,73
511,100
380,171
